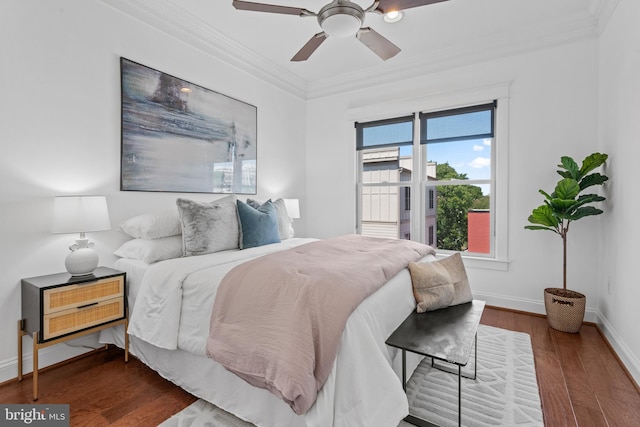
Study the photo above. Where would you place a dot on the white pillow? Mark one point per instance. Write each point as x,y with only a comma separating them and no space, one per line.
152,250
285,223
153,225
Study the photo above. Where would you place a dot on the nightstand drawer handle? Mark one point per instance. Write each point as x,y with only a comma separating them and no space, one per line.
87,305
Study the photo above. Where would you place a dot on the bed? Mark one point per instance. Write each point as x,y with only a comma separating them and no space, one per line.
170,303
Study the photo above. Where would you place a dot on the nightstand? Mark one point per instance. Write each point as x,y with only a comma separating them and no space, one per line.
60,307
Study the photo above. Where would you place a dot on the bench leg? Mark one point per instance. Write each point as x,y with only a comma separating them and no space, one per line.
459,395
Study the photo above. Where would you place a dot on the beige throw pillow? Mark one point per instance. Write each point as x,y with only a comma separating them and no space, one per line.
432,286
458,274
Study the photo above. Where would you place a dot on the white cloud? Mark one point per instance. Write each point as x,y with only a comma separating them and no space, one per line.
487,142
480,162
478,148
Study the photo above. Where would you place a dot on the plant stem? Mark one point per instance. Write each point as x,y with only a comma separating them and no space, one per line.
565,230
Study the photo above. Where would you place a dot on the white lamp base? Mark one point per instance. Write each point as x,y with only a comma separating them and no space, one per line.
82,260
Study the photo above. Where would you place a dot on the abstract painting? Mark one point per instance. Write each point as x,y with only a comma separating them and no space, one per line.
181,137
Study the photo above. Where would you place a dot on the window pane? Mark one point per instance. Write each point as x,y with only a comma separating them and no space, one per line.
386,209
371,135
468,159
461,218
459,125
385,213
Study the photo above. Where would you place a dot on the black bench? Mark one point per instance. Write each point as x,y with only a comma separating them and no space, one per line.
447,335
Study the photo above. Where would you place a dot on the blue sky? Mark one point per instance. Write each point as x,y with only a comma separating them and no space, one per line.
471,157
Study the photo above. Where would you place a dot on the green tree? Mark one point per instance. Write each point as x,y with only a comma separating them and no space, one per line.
453,204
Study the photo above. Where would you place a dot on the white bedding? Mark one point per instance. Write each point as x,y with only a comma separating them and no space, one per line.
169,322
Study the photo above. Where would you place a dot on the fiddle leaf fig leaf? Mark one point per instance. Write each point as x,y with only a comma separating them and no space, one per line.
588,198
591,162
567,189
585,211
543,215
539,227
547,196
562,206
593,179
571,166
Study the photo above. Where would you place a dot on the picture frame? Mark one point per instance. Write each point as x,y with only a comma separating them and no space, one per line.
181,137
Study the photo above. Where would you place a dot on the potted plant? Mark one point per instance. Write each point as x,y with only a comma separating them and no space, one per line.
565,308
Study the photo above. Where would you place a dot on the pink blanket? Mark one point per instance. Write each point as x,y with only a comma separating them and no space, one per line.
277,320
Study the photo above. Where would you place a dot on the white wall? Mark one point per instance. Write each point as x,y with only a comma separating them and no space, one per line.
619,133
60,134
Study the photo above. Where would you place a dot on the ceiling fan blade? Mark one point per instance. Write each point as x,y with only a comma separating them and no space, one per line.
378,44
310,47
271,8
386,6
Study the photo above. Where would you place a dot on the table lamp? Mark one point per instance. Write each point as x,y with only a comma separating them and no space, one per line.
80,214
293,208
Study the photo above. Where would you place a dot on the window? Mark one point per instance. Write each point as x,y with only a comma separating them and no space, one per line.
451,160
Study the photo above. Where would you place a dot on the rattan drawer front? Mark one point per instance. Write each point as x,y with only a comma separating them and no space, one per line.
65,297
75,319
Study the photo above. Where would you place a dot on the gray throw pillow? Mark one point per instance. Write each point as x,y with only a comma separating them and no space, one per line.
208,227
458,274
432,287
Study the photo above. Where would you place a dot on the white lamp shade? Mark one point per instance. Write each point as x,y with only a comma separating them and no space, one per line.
293,208
79,214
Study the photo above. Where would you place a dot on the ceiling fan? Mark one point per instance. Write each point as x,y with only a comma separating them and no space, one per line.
341,18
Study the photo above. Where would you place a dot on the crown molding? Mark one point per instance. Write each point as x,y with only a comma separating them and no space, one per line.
173,20
602,10
526,39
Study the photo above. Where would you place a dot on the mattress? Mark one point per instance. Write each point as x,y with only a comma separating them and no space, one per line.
363,388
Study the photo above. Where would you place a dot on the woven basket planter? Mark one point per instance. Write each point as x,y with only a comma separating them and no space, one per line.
565,309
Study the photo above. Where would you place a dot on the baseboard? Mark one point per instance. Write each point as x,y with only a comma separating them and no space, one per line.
47,356
622,351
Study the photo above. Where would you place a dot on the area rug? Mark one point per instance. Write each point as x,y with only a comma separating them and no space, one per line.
505,392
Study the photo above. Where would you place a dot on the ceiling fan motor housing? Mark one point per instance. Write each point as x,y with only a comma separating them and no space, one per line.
341,18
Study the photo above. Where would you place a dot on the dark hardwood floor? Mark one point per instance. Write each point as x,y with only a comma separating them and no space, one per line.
580,379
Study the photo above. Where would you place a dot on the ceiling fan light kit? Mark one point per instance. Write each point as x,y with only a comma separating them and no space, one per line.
344,18
341,19
393,16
